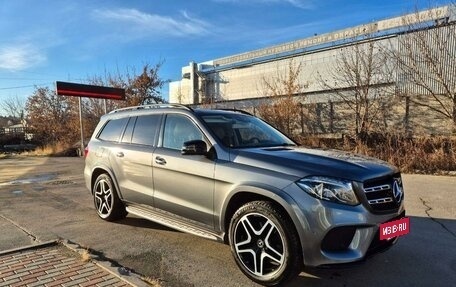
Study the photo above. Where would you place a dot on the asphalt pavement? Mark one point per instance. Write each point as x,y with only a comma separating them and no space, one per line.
44,199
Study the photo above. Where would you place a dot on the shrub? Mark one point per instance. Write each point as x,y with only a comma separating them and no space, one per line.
430,155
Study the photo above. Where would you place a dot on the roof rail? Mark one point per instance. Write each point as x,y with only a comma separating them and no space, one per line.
152,106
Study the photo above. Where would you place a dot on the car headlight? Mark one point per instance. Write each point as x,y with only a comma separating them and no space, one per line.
331,189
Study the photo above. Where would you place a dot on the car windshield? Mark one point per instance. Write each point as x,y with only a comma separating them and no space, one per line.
244,131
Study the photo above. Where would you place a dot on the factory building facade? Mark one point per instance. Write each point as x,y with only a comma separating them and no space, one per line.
323,66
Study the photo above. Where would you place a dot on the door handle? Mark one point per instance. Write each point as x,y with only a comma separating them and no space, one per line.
120,154
160,160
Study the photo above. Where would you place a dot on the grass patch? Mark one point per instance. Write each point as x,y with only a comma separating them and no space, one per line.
56,149
85,256
154,282
48,150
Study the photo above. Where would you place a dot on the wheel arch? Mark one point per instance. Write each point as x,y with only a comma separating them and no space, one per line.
97,171
243,194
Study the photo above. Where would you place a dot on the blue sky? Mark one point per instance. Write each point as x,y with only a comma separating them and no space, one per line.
45,41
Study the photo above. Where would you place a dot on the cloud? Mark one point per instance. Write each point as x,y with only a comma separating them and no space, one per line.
302,4
20,57
144,24
248,38
307,5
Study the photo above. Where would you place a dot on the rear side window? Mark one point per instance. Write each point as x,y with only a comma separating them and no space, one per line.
112,130
145,129
129,131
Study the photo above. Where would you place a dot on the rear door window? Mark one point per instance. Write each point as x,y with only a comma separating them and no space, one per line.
145,130
112,130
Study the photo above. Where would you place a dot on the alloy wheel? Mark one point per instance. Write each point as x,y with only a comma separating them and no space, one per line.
103,198
259,245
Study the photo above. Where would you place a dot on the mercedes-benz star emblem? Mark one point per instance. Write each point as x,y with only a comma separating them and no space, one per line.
397,189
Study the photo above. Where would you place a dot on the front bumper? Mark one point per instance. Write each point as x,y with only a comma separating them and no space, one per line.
332,233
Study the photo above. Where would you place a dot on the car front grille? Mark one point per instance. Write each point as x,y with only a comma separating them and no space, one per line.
385,193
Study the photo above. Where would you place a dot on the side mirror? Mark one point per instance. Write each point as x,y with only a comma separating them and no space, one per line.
194,147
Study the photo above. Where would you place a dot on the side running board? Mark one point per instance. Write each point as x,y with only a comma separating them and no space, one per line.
172,222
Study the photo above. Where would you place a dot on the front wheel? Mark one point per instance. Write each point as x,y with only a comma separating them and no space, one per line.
265,244
107,203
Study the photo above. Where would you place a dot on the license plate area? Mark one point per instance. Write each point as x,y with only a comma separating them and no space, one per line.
394,228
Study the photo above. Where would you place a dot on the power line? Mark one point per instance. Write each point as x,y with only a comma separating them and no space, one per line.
23,79
27,86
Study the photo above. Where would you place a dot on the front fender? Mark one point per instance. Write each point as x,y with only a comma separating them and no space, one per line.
274,194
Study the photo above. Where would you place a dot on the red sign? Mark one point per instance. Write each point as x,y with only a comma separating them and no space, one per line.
394,228
89,91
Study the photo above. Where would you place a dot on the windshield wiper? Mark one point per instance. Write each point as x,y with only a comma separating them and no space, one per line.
276,145
287,144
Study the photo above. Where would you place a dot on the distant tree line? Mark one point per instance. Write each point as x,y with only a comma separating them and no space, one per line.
54,119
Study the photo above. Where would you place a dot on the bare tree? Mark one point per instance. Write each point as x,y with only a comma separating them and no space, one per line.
139,88
49,117
281,108
363,82
145,86
55,119
426,58
14,107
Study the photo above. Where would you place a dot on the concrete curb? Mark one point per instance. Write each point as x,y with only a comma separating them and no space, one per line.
111,267
30,247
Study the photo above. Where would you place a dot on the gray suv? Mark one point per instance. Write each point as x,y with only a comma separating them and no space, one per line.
229,176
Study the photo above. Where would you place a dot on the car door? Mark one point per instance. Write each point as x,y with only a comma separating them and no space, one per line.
133,159
183,184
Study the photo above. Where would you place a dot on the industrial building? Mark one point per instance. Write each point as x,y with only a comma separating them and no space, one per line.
240,81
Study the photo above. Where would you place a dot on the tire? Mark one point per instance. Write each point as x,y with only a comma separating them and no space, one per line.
106,200
265,244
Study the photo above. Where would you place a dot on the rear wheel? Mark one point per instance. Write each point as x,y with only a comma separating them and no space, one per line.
265,244
107,203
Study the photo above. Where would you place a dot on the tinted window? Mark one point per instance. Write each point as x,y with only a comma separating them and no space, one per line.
179,129
129,130
146,129
112,130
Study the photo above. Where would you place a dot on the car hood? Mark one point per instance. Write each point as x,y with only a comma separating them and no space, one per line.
302,162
